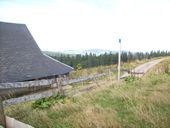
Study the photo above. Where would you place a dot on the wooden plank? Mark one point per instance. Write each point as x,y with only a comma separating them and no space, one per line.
42,83
2,116
30,97
28,84
11,93
136,72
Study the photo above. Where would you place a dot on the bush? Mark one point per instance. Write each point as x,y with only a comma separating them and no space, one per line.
49,101
131,79
78,67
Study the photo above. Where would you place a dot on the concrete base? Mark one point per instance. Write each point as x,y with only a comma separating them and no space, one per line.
12,123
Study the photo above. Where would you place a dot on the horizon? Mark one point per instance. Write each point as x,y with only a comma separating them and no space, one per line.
59,25
107,50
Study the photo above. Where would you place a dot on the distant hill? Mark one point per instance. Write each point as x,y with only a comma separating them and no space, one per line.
82,52
51,53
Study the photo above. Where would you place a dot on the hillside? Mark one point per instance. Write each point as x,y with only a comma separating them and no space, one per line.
133,102
93,60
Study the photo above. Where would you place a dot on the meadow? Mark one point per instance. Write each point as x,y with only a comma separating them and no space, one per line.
131,103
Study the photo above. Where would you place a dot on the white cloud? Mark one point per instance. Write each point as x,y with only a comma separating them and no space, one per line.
69,24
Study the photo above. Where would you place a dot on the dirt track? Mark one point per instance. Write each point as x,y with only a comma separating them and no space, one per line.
142,69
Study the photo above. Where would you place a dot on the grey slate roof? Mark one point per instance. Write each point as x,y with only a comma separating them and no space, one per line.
21,59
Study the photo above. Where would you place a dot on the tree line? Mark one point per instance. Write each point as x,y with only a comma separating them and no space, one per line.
92,60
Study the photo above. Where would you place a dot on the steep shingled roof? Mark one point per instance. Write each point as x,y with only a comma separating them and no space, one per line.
21,59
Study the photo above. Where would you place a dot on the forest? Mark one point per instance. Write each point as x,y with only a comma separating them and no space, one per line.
92,60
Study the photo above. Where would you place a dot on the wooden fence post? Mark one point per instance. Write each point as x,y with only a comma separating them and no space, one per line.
2,116
59,82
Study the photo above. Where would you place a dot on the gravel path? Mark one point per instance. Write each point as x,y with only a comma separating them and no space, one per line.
142,69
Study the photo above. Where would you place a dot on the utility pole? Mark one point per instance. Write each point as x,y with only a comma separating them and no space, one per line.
119,59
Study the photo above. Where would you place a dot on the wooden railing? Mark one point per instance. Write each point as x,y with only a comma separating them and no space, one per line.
8,91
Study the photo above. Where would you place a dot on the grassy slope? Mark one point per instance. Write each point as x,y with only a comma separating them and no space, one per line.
140,103
105,69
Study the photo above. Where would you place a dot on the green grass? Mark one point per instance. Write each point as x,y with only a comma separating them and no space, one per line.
104,69
131,103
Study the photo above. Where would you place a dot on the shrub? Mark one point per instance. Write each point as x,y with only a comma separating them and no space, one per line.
49,101
131,79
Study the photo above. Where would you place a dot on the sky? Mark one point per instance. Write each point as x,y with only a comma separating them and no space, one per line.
56,25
